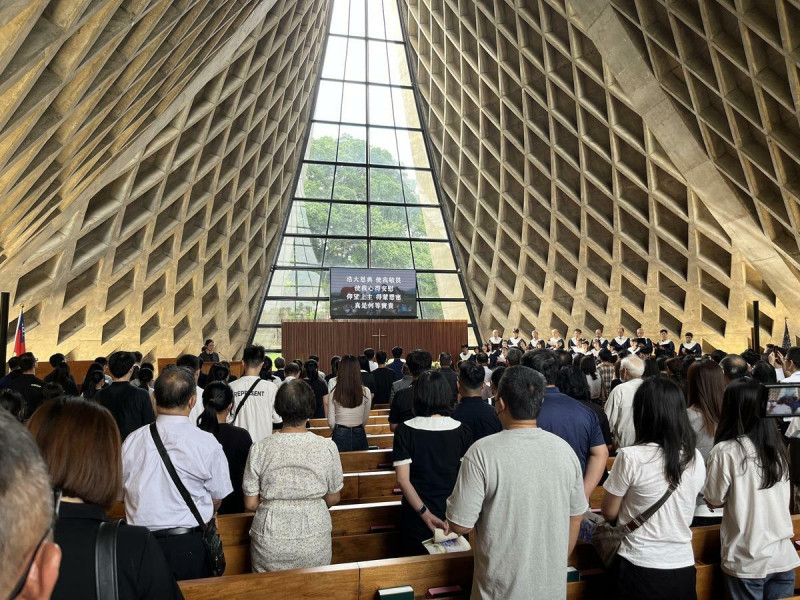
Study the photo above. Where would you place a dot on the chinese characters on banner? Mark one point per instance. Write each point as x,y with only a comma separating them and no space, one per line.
373,293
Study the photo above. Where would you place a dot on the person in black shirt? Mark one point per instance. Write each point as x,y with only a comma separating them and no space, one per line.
397,363
235,441
319,387
384,378
473,410
61,375
367,379
80,444
446,369
55,360
27,384
572,382
13,372
129,405
402,406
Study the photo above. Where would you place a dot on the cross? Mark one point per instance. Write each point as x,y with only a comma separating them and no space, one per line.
379,335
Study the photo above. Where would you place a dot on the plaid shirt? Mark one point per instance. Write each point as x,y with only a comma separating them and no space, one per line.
606,372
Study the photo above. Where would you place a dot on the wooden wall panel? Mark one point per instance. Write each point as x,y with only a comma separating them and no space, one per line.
331,338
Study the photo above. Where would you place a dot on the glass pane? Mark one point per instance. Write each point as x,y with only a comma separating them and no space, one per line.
357,18
316,181
411,147
353,144
339,17
375,27
348,219
426,223
269,337
323,309
301,252
398,65
334,58
351,183
354,103
433,255
385,186
308,218
276,311
393,30
391,254
346,253
378,62
298,282
356,69
438,285
444,310
330,109
380,105
388,221
322,142
418,187
382,147
405,108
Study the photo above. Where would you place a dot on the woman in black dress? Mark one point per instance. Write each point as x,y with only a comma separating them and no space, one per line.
319,387
235,441
427,455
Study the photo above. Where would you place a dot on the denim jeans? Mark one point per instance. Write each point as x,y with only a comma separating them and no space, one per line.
776,585
349,438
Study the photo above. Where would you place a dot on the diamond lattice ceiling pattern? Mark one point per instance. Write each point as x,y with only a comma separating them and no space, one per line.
146,152
625,161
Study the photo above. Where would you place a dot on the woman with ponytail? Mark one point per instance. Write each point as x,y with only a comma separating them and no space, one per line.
235,441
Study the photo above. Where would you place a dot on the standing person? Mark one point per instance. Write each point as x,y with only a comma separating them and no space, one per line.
472,409
151,497
619,406
349,406
621,342
318,386
207,353
62,377
446,369
290,481
705,386
496,488
235,441
656,561
129,405
495,338
28,384
689,347
369,353
195,365
598,337
515,338
384,378
402,406
367,378
254,398
607,371
80,443
397,362
280,366
665,346
93,381
574,344
748,474
645,343
427,454
589,367
466,353
398,385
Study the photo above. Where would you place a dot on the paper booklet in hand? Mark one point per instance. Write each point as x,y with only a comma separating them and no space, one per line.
443,544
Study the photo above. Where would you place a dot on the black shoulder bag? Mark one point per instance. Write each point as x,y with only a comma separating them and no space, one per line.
215,554
246,396
105,561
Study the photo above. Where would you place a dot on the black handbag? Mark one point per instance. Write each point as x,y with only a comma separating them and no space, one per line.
105,561
215,553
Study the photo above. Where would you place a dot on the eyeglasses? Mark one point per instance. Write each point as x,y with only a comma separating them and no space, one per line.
53,520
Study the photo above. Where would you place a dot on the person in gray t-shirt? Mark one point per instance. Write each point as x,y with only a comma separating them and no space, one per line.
522,491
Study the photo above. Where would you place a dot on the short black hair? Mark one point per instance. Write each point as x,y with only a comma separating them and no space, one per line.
292,368
718,355
102,360
189,361
13,402
545,362
313,357
432,395
445,359
497,374
280,362
514,356
734,366
380,357
56,359
522,390
363,363
295,402
120,363
565,357
793,354
663,331
471,375
369,353
138,356
751,356
482,358
253,356
27,362
397,352
13,363
418,361
174,387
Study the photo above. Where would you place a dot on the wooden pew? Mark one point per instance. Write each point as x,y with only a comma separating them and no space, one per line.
374,420
596,497
378,429
610,463
420,572
366,460
381,440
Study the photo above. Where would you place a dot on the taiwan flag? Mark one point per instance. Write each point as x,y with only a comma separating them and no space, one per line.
19,339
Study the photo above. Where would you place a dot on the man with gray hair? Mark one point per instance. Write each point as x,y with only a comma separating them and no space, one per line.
734,367
30,559
619,406
514,357
497,485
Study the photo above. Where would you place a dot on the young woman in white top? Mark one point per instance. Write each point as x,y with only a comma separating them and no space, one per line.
348,407
748,474
656,561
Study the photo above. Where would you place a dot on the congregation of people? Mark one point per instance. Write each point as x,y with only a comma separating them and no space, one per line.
508,440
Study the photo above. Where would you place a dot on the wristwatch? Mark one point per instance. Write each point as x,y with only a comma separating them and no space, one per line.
422,510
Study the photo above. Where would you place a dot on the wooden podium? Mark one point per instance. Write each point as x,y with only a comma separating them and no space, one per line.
338,337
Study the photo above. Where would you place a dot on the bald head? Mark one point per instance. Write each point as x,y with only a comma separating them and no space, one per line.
26,505
733,367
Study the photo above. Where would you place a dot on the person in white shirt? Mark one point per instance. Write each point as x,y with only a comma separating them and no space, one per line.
254,398
621,342
656,560
466,353
192,362
555,337
574,342
619,406
634,349
514,339
534,339
495,338
748,474
370,354
598,335
789,373
151,498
